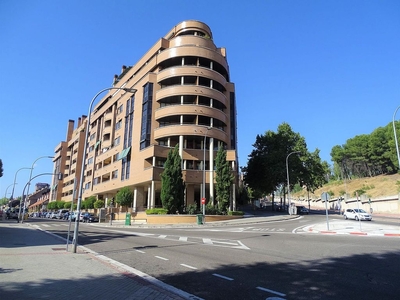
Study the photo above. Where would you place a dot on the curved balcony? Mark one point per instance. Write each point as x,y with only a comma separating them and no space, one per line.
191,71
176,130
192,25
192,40
180,90
183,109
192,51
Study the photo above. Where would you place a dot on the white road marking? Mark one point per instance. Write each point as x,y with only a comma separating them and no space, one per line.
183,238
140,251
187,266
271,291
163,258
223,277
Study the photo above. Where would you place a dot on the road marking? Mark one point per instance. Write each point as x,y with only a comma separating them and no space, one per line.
183,238
162,236
223,277
187,266
271,291
163,258
140,251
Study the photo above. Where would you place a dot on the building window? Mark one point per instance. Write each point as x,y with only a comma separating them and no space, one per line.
145,131
117,141
118,125
90,161
120,109
87,185
114,174
92,137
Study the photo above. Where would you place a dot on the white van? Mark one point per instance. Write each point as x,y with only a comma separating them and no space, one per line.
60,213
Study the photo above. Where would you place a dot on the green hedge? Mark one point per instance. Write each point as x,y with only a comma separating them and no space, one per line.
156,211
235,213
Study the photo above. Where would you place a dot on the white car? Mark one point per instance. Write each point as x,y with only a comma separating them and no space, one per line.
357,214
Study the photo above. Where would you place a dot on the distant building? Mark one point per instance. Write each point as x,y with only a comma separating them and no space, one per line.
184,96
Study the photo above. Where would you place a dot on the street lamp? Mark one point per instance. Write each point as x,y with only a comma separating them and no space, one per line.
15,179
204,173
28,183
395,136
287,174
75,237
30,175
5,195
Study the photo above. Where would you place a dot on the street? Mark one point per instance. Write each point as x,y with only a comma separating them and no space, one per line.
254,261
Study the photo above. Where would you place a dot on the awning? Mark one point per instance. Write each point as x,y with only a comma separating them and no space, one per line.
54,187
97,144
124,153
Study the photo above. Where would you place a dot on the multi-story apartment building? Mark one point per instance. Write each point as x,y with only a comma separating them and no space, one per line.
183,96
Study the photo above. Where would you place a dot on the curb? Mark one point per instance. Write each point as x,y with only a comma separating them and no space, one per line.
358,233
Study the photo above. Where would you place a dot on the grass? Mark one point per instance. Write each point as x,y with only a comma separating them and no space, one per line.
373,187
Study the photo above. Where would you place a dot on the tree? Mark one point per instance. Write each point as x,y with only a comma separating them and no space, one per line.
99,204
266,167
1,168
124,197
172,185
314,172
88,203
224,179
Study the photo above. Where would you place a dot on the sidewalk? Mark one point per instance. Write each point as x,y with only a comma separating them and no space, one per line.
35,265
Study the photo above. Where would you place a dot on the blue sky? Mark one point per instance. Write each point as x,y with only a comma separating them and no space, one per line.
331,68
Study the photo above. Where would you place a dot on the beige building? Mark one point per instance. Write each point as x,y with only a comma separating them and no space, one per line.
183,96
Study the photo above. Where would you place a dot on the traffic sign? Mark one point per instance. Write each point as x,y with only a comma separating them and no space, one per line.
325,196
203,200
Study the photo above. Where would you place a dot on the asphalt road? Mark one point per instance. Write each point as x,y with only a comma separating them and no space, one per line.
271,260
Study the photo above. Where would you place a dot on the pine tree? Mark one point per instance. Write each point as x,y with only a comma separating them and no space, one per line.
172,186
224,180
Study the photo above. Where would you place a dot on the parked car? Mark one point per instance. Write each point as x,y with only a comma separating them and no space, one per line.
302,210
89,217
60,213
357,214
74,214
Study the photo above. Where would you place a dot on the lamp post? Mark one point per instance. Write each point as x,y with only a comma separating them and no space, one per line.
5,195
28,183
395,136
204,174
75,237
30,175
15,179
287,175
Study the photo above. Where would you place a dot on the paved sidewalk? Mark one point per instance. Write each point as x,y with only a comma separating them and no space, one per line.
35,265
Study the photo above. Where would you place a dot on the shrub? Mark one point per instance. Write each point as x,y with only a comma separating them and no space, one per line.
156,211
191,209
235,213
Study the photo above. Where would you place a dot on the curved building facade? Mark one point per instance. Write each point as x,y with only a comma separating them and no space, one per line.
183,96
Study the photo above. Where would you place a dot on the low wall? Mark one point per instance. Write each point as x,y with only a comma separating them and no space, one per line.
390,204
143,218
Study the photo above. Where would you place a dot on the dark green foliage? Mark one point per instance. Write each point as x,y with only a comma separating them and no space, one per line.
124,197
235,213
191,209
224,180
367,155
172,185
266,170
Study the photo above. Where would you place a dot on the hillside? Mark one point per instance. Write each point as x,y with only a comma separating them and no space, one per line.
375,187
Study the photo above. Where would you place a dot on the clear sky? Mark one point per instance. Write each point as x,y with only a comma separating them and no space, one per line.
329,68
